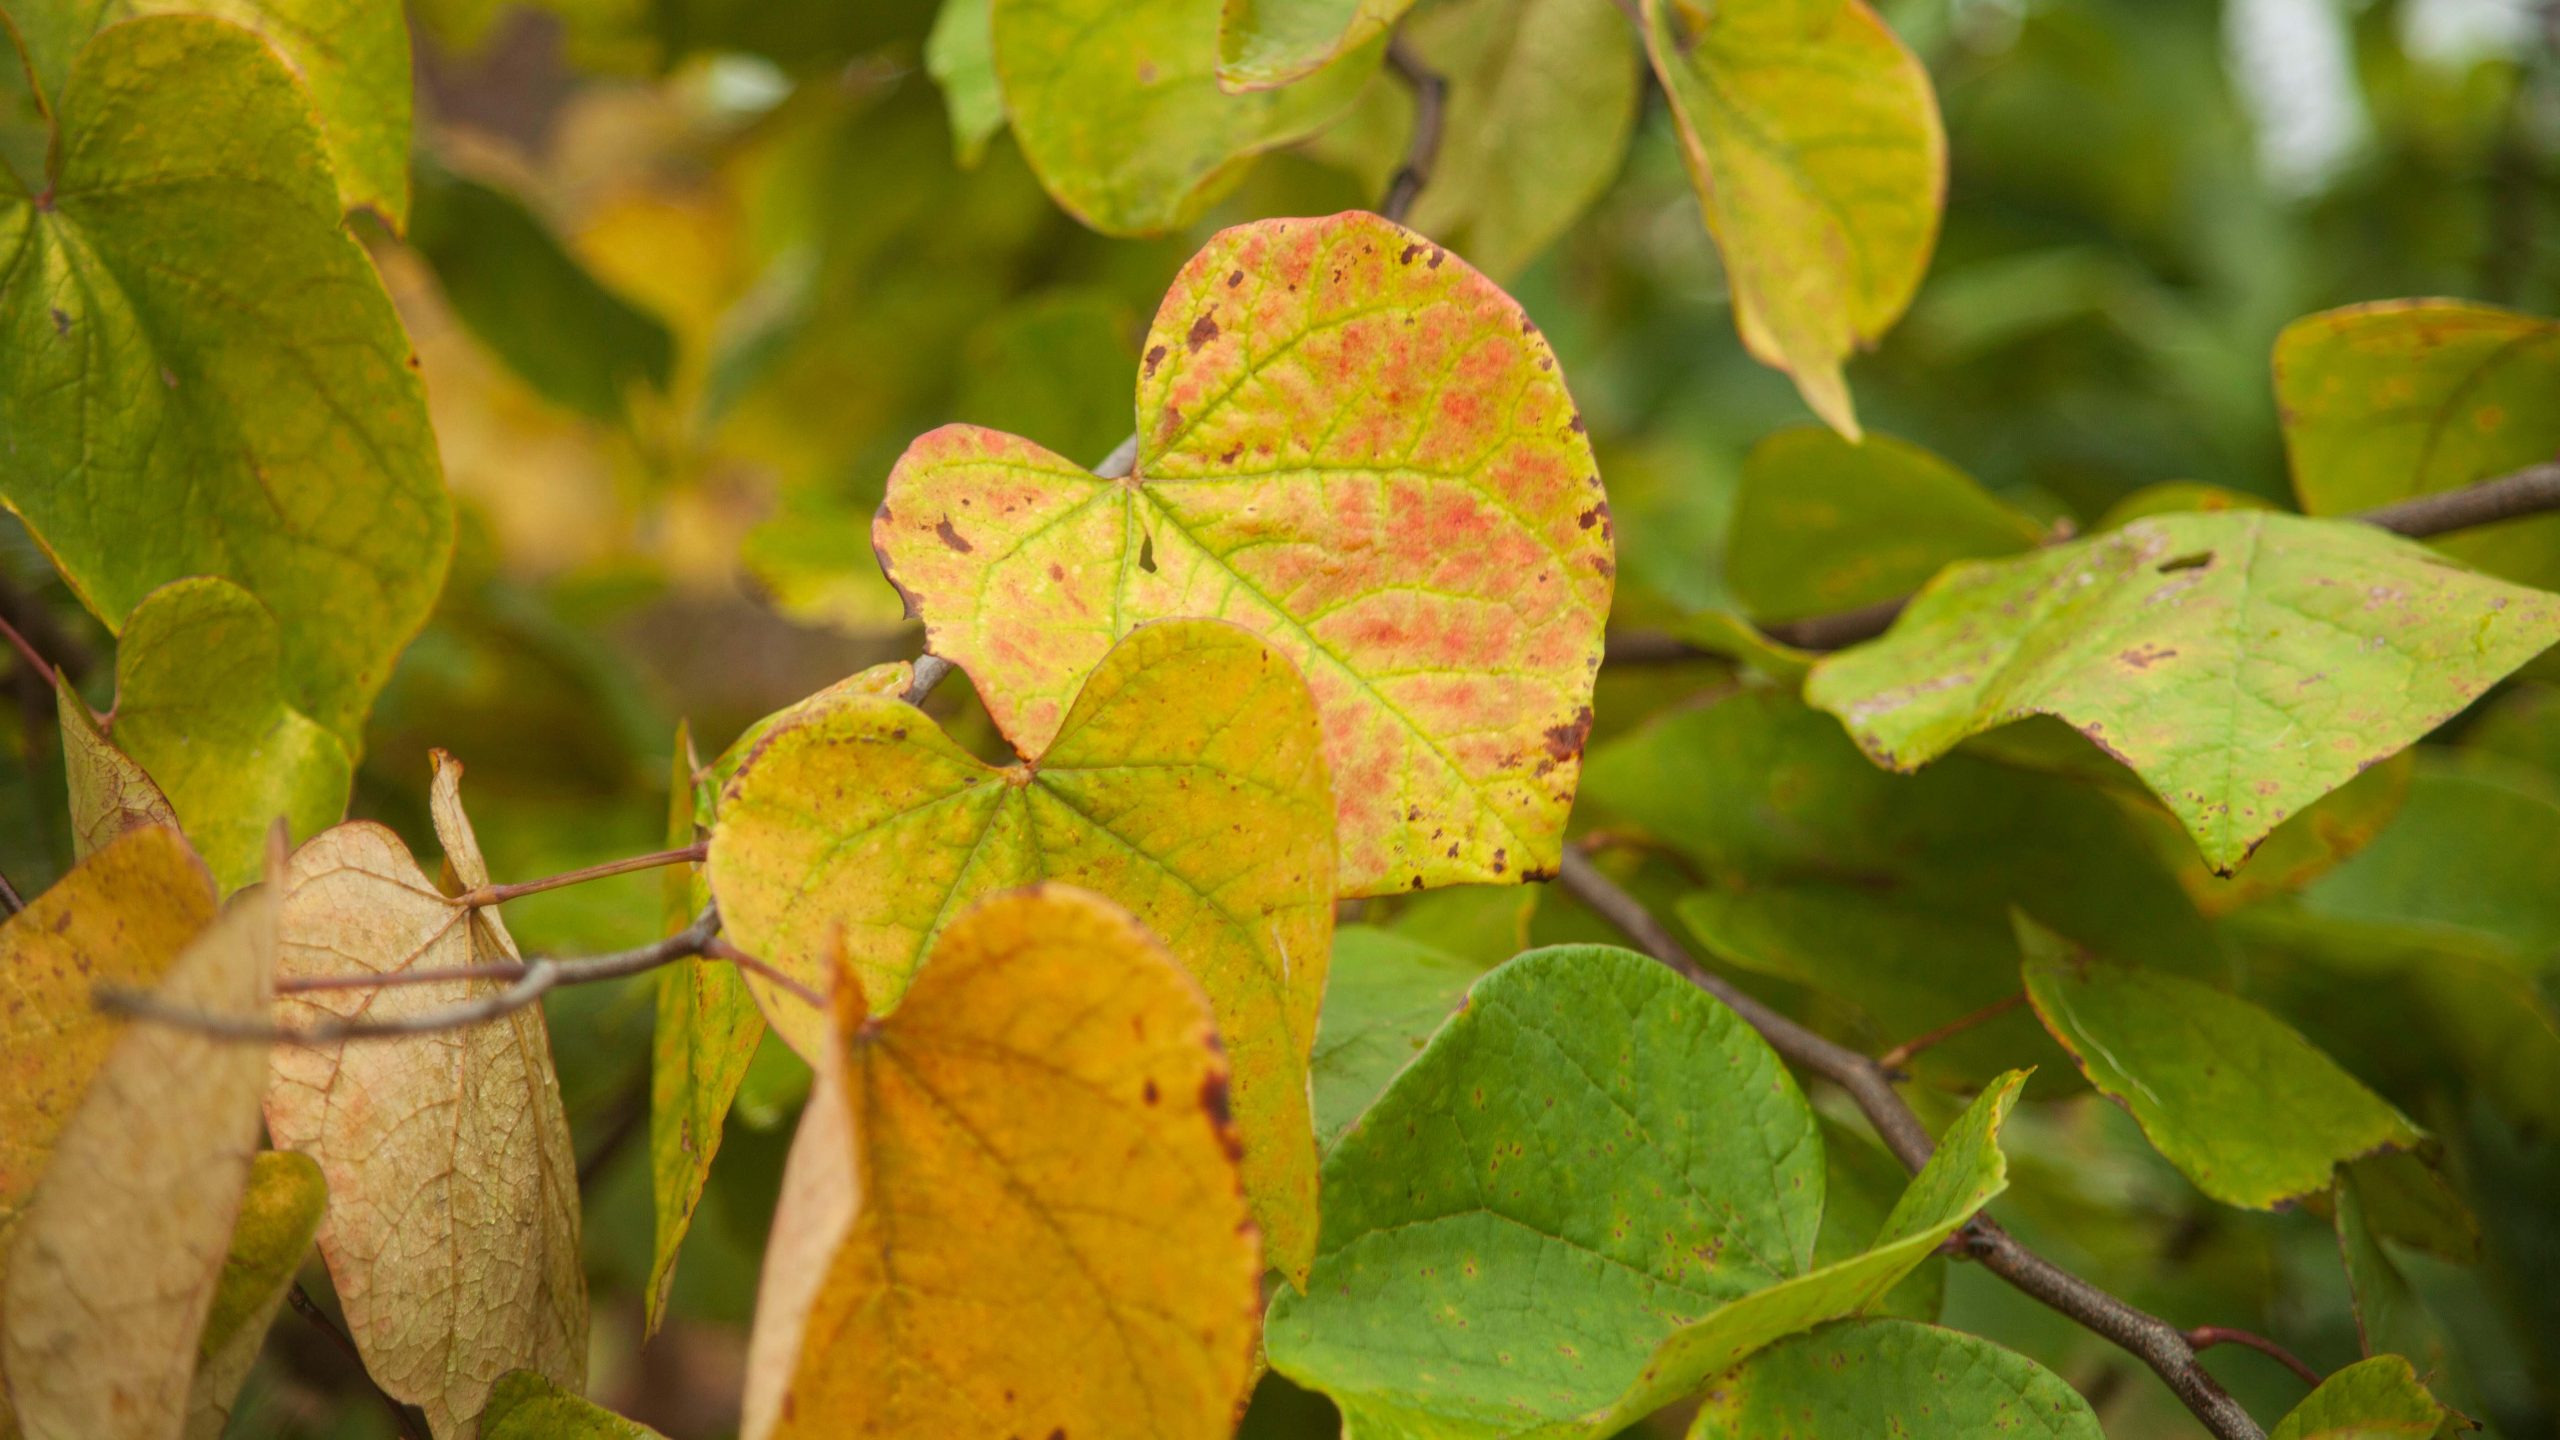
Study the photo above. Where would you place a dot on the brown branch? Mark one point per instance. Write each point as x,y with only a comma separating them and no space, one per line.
10,901
1896,1059
2157,1343
309,1309
500,894
2205,1337
2534,490
27,620
532,980
1430,116
931,670
27,653
721,949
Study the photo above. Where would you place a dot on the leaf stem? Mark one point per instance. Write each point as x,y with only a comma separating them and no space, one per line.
532,980
487,895
1895,1059
1430,117
2157,1343
721,949
11,902
2205,1337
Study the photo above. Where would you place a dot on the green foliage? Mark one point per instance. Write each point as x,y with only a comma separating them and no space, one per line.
1914,1380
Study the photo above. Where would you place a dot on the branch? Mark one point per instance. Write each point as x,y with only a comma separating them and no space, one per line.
2157,1343
2205,1337
10,901
1897,1058
500,894
2534,490
34,629
533,980
1430,114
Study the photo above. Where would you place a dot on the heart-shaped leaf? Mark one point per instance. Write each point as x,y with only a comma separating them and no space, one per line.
1012,1207
452,1233
188,332
1892,1377
1814,142
2387,401
1186,784
115,1262
2376,1399
1356,447
2244,663
1460,1220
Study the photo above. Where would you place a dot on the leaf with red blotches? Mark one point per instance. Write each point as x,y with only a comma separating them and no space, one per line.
1360,449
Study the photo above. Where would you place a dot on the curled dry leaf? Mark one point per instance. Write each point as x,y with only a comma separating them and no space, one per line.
1012,1207
452,1234
115,1263
1358,448
1187,784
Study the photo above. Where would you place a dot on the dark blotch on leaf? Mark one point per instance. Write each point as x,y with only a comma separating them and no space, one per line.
1565,741
2197,561
1203,330
1147,554
951,537
1155,357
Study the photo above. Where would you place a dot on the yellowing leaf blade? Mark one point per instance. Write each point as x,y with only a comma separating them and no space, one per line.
279,1216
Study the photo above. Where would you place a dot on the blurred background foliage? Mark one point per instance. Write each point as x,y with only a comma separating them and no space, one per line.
686,276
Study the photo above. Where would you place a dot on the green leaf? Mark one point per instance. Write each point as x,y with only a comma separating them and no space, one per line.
1356,447
2391,1317
1118,107
960,54
2253,1113
351,57
577,343
2387,401
525,1406
1813,139
1891,892
707,1031
1595,1189
1861,1182
2243,663
1384,998
278,1218
200,705
2376,1399
190,334
2470,862
1821,525
1542,101
1892,1377
1263,44
1187,783
2406,1198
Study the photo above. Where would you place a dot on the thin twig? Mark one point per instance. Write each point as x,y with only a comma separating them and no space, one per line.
721,949
1898,1058
2205,1337
10,901
1430,115
27,651
2534,490
533,980
487,895
309,1309
28,620
2154,1341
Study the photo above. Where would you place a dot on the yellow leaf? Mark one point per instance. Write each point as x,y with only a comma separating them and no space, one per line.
1358,448
110,794
452,1233
1012,1207
1187,784
117,1258
1814,142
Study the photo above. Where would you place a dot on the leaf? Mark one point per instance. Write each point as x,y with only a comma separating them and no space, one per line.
2406,1198
2391,1317
351,57
1187,784
2401,398
1012,1207
1892,1377
1385,996
1861,1182
2242,663
708,1028
452,1234
1119,111
190,334
278,1217
200,705
110,795
1543,96
2253,1113
1821,525
524,1406
2470,861
1461,1223
115,1261
961,56
1892,892
575,341
2376,1399
1356,447
1264,44
1814,142
121,917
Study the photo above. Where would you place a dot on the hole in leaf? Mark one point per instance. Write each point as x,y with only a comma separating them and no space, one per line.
2197,561
1147,554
